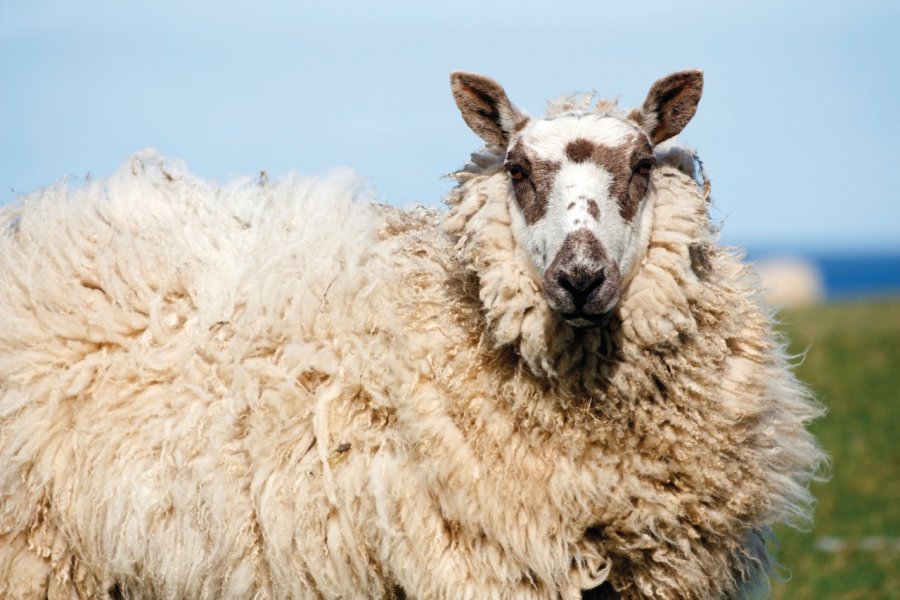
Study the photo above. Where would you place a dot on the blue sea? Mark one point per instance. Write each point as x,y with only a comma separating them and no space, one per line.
846,275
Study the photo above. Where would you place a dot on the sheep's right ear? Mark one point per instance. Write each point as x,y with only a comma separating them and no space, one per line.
485,107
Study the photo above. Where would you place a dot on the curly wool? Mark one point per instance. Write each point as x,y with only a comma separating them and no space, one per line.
281,390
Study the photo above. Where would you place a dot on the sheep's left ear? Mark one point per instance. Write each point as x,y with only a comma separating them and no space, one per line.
670,105
485,107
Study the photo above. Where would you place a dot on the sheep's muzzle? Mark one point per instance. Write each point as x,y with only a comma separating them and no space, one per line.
582,284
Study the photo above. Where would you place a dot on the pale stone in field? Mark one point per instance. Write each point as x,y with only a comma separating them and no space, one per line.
789,281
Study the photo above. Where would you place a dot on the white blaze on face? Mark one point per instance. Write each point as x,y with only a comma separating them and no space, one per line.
579,199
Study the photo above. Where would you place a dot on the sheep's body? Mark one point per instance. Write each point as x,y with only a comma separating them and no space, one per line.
282,391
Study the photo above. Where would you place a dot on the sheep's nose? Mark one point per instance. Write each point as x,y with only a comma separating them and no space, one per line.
580,284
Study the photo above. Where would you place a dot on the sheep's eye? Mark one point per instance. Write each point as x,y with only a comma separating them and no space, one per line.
644,166
516,172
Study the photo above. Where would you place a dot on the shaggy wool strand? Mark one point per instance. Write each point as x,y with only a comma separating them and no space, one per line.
283,390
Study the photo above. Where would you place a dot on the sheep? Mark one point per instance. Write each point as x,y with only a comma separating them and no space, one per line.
560,387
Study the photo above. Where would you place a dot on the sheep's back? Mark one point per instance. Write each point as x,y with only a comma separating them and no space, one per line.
165,341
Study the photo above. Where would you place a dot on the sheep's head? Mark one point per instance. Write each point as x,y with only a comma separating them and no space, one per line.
580,181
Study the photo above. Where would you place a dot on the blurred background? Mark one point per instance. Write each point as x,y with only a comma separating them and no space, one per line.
798,129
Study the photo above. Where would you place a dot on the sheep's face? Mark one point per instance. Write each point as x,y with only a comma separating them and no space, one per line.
579,184
580,181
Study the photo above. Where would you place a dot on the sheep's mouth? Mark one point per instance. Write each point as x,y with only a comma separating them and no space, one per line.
582,320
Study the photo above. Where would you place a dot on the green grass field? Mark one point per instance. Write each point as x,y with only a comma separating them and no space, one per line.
853,364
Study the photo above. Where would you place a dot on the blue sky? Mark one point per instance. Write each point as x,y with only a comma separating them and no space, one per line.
799,124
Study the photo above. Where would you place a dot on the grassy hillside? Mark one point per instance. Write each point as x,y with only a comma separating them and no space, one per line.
853,364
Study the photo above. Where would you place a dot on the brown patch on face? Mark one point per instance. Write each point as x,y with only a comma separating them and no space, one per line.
616,161
628,164
579,150
642,162
532,190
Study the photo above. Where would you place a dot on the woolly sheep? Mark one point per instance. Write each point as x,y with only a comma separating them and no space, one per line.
560,384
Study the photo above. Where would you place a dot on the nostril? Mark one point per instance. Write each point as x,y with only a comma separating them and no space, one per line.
581,285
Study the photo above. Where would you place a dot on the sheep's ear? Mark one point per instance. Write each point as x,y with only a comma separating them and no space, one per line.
485,107
670,105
